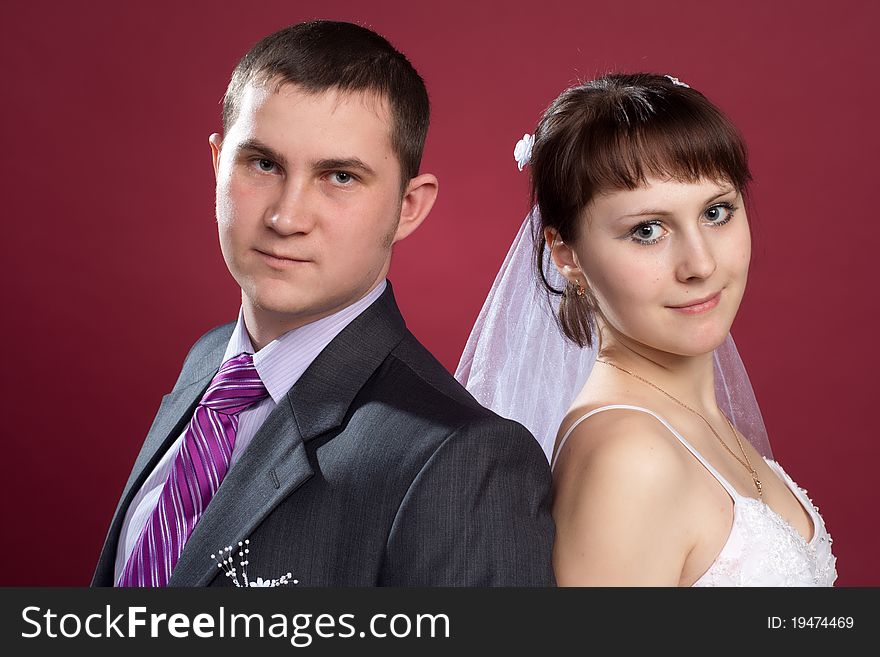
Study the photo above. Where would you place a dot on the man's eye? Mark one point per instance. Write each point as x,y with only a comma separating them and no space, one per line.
265,165
342,177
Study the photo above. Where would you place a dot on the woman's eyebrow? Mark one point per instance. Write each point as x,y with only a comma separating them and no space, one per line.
642,213
658,212
727,191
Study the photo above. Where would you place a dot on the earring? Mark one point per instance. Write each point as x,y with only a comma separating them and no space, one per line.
579,289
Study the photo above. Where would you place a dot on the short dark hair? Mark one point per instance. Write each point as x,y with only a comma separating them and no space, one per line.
611,134
323,55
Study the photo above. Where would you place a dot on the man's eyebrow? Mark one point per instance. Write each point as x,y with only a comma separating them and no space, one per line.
327,164
259,147
647,212
343,163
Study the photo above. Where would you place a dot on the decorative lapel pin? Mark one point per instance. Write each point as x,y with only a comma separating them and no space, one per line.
224,558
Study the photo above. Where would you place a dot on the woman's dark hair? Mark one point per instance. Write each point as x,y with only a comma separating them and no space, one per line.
612,134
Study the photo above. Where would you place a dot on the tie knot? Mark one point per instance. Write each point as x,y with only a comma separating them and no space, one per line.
235,387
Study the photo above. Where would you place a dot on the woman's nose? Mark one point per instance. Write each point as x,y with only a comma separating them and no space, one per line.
696,259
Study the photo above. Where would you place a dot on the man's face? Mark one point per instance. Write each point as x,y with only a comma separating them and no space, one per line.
308,200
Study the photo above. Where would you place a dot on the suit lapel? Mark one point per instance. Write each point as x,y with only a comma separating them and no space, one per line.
276,462
174,412
271,468
323,394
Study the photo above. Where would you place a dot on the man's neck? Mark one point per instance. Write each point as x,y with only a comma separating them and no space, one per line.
264,325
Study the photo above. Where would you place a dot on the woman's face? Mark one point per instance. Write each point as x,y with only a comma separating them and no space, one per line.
667,262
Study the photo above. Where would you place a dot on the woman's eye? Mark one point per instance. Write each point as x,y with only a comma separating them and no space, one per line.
719,214
265,166
647,233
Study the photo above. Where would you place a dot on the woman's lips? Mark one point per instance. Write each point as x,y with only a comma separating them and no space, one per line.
699,306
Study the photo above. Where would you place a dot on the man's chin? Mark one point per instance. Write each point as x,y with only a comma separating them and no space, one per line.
287,308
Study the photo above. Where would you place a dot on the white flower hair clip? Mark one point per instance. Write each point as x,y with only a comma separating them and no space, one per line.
522,152
677,82
224,560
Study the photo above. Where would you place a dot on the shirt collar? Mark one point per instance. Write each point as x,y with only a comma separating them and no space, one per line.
282,362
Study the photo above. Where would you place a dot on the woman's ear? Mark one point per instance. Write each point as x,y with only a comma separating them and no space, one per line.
564,257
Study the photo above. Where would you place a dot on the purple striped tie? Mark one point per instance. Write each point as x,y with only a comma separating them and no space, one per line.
198,469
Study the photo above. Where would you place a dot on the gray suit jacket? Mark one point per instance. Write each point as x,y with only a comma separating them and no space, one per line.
378,469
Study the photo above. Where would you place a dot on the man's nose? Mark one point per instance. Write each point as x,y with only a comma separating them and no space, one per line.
293,209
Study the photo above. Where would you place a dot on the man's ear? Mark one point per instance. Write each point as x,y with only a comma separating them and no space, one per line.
564,257
216,142
418,199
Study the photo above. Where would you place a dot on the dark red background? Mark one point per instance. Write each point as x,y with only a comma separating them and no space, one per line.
113,268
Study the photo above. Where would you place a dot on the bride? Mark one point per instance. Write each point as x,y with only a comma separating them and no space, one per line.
662,470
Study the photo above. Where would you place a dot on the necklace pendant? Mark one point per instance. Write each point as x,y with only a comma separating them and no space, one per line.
747,464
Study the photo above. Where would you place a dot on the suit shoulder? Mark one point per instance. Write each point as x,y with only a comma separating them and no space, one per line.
427,378
210,340
429,385
208,343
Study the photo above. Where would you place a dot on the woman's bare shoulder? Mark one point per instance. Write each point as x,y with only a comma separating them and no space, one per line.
621,501
620,438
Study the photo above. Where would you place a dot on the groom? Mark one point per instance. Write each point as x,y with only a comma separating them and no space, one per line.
316,427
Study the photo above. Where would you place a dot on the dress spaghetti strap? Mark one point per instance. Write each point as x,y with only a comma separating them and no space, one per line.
726,484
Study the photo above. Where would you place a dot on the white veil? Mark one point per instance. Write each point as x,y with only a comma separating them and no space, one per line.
518,362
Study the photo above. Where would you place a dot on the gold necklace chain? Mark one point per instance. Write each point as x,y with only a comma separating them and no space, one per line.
747,464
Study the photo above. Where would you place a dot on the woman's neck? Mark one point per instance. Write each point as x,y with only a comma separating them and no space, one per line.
689,379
